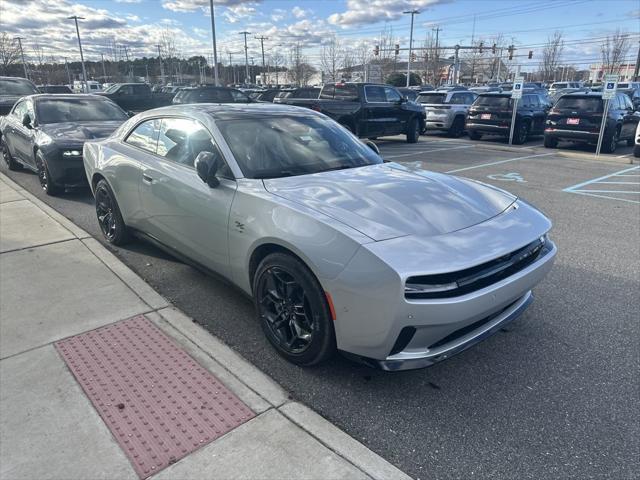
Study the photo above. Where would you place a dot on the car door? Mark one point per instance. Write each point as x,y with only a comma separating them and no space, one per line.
539,114
631,117
397,115
125,98
183,212
11,132
375,110
23,136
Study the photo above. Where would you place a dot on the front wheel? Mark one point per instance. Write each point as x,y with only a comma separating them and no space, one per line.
110,219
610,142
457,127
413,130
521,134
293,310
636,151
44,177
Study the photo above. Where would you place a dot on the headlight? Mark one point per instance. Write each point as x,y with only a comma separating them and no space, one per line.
71,153
413,288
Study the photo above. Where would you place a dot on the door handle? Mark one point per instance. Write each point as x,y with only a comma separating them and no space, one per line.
147,179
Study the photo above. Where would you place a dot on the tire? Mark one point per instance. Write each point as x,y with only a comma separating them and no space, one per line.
631,142
109,217
521,133
473,135
550,142
457,127
8,159
44,177
636,151
610,142
413,130
293,311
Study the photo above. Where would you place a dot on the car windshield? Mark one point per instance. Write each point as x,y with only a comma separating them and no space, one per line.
583,104
78,110
284,146
493,101
432,97
112,88
16,86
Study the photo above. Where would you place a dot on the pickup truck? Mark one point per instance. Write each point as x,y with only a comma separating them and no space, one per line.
369,110
136,97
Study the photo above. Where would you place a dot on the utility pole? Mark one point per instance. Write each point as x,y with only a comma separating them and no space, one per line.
24,64
456,58
436,68
246,57
84,70
233,73
161,65
104,70
262,39
412,13
637,67
215,49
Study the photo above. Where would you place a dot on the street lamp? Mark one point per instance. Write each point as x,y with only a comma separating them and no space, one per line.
247,79
412,12
215,50
84,71
24,64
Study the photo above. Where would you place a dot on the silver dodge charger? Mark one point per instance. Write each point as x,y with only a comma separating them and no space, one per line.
394,266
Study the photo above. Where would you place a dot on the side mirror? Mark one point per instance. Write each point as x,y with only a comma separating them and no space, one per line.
130,113
207,166
372,146
26,121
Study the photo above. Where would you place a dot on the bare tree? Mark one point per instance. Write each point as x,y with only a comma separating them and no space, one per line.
472,61
347,62
330,60
9,52
495,68
363,57
278,60
614,49
551,56
387,58
431,55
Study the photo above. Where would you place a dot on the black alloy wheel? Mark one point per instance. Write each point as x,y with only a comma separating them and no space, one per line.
413,130
521,133
44,177
109,218
457,127
610,142
293,310
8,159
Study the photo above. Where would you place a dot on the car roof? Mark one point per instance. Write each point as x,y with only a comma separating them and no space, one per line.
584,94
65,96
230,111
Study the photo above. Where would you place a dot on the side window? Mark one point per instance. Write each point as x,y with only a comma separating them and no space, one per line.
328,91
239,97
627,102
214,96
145,136
535,102
457,98
20,109
375,94
126,90
392,94
182,139
139,89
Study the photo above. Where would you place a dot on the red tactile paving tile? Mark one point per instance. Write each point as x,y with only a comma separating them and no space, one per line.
157,401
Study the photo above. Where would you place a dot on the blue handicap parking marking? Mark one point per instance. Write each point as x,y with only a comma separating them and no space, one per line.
623,186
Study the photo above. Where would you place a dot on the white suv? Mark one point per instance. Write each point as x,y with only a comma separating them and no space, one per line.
636,147
446,109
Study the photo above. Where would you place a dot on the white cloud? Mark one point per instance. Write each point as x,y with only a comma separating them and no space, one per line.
361,12
193,5
278,14
128,1
238,12
299,12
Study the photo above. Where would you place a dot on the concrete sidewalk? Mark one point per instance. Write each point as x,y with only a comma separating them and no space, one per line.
56,282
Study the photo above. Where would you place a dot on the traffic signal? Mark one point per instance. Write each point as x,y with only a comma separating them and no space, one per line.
376,50
510,52
530,53
493,49
413,57
481,45
397,49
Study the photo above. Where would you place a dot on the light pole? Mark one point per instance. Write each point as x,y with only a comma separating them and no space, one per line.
262,39
161,65
215,49
24,64
246,57
104,70
412,13
84,71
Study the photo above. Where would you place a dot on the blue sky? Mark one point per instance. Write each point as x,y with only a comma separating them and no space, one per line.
139,23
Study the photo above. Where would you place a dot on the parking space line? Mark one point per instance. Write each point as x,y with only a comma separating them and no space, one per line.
579,188
426,151
499,162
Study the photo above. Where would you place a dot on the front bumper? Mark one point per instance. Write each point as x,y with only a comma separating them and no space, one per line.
67,171
438,121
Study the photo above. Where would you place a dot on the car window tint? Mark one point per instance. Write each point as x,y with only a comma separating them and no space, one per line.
139,89
20,109
375,94
328,91
627,102
145,136
213,96
392,94
181,141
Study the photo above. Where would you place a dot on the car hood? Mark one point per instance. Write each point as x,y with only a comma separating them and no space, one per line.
390,200
80,131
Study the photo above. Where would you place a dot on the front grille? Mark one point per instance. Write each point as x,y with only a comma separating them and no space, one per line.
480,276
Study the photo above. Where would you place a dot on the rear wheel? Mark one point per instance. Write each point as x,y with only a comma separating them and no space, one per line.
550,142
636,151
8,159
110,219
630,142
457,127
413,130
610,142
44,177
473,135
521,133
293,310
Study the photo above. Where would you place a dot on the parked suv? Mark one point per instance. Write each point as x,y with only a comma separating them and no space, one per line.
491,114
11,89
447,110
210,95
555,86
577,117
636,147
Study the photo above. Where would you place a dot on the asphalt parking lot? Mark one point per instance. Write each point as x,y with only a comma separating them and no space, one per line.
555,395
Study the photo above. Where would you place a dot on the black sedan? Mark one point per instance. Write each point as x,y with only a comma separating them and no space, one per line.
46,133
